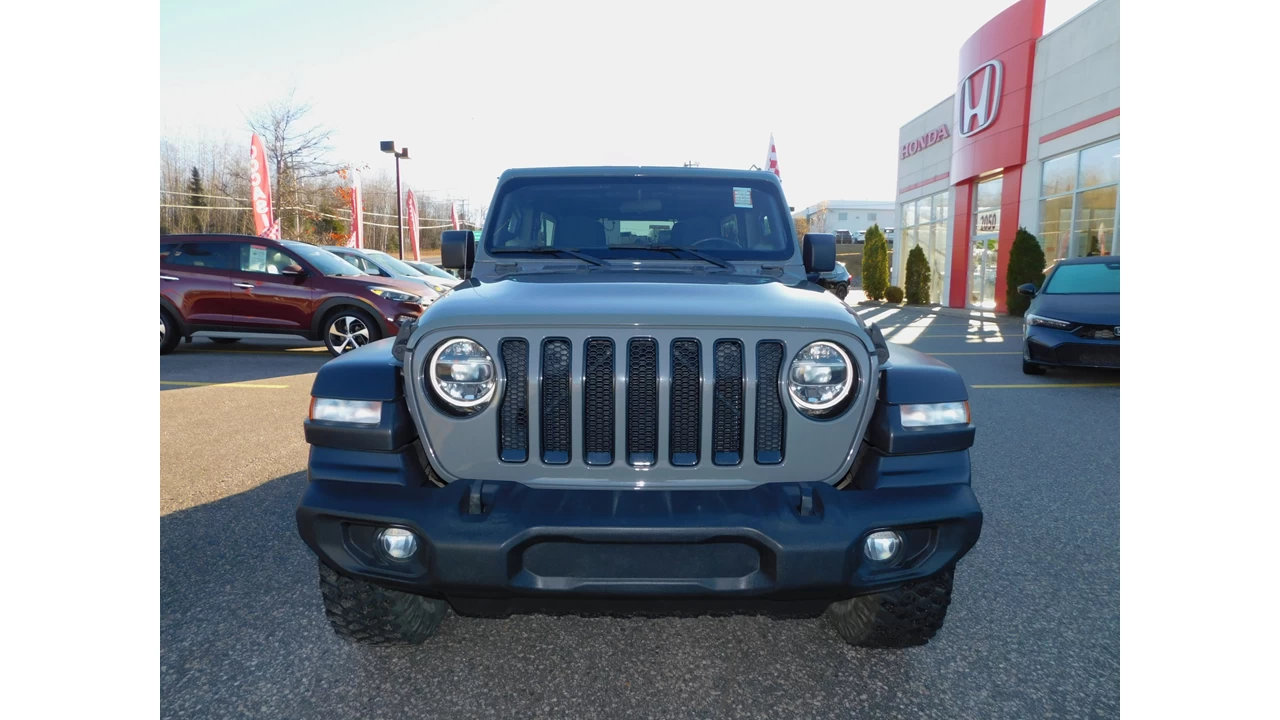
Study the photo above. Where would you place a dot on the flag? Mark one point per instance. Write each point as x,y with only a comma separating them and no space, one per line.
260,187
411,205
771,161
453,215
273,232
357,213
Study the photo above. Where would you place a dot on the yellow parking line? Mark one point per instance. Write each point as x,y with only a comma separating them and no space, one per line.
1043,385
245,352
187,383
974,353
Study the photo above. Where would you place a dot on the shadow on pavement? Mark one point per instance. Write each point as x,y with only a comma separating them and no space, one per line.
212,364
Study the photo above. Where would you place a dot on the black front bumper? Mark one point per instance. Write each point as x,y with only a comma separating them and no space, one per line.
501,547
1059,348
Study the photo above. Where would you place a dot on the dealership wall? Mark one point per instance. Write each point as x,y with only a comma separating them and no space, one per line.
1073,107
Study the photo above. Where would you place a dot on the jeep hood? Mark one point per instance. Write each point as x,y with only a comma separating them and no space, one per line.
640,298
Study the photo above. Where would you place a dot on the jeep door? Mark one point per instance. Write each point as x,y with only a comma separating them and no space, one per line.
196,278
265,297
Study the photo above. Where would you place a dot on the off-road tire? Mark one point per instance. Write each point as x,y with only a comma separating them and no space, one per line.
1032,368
225,340
170,335
906,617
368,614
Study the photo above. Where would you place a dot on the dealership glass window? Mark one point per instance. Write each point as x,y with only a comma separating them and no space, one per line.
924,224
1079,200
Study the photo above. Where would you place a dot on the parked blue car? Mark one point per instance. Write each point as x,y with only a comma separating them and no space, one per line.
1074,317
837,281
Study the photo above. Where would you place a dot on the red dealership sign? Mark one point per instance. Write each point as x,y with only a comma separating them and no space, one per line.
937,135
259,187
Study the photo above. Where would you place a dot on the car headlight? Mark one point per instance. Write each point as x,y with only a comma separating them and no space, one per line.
950,413
820,378
1042,321
395,295
462,374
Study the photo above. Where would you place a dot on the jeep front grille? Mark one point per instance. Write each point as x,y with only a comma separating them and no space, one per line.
593,378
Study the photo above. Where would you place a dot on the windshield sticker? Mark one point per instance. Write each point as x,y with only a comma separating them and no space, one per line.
742,197
257,258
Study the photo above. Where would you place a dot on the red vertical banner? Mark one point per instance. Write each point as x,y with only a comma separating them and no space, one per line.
771,160
357,213
411,212
453,215
260,188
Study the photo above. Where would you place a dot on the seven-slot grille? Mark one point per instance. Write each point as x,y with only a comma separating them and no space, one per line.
634,380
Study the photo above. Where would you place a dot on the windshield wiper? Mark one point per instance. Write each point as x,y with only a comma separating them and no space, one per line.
675,250
548,250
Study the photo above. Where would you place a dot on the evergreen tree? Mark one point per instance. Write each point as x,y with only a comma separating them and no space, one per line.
1026,265
875,264
917,286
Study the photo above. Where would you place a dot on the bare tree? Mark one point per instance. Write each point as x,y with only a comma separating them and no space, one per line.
297,150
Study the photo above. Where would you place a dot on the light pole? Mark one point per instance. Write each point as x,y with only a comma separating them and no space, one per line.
389,146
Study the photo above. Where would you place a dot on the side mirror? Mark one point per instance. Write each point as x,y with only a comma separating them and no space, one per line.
819,253
1027,289
457,249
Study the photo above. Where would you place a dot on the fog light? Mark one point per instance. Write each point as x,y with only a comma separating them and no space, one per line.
882,546
397,543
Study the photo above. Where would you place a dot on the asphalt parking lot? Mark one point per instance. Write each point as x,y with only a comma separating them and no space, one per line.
1034,629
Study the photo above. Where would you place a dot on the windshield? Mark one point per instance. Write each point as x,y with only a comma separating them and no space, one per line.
323,260
430,269
394,265
1090,278
732,219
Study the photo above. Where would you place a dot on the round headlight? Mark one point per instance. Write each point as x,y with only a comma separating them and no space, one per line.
819,378
462,373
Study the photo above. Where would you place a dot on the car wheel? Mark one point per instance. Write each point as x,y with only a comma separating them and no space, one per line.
1032,368
225,341
347,329
841,290
908,616
169,335
368,614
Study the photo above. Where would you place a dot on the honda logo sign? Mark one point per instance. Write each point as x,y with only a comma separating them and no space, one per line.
979,100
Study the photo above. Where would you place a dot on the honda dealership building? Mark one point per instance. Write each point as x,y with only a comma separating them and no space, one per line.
1030,139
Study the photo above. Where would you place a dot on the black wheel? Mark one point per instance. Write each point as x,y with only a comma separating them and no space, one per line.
906,617
1029,368
841,290
169,334
347,329
368,614
225,341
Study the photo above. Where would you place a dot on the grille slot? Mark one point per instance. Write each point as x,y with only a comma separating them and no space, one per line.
726,410
557,412
513,417
686,402
642,401
770,419
597,401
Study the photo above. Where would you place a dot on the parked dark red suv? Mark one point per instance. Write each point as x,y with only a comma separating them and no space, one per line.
247,284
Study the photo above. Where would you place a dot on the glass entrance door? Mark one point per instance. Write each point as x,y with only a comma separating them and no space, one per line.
982,269
983,248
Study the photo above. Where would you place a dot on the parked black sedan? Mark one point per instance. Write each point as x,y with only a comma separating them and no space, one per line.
1074,318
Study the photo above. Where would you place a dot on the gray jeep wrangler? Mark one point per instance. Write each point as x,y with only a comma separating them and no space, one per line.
640,401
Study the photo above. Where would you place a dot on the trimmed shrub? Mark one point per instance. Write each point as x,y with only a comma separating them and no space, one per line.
917,277
1026,265
875,264
893,294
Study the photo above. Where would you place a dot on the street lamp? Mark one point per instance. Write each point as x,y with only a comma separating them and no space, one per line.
389,146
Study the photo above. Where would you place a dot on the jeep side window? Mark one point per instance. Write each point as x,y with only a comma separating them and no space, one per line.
211,256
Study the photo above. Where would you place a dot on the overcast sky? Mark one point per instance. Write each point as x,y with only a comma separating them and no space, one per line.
477,86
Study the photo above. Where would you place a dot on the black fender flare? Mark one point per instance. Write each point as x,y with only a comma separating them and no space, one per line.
317,318
176,314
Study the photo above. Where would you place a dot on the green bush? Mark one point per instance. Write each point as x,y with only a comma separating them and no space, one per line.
893,294
1026,265
917,276
875,264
